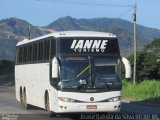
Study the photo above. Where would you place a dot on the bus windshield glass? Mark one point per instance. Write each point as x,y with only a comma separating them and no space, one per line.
106,73
73,71
85,72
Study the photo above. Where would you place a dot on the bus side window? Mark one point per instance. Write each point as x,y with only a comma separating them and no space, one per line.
29,53
17,55
54,82
41,51
46,49
24,54
38,51
34,52
20,54
53,48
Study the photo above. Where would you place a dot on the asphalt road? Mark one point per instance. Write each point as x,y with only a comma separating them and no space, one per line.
10,108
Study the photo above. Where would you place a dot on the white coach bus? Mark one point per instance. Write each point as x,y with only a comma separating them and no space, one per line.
70,71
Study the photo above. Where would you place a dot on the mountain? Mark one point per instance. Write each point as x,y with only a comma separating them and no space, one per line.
122,28
18,29
13,30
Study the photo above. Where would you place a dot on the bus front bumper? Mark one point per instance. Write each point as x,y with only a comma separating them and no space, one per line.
68,107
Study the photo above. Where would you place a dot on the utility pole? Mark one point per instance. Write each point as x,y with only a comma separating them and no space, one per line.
135,44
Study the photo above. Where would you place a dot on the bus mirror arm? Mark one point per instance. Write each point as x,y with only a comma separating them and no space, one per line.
55,67
127,66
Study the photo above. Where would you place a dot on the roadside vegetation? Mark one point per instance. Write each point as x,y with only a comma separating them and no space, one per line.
6,72
146,91
147,88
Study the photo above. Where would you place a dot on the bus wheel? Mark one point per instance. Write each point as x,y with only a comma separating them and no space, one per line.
25,105
47,106
21,96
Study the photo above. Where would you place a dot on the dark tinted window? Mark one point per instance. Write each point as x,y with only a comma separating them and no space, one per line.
38,51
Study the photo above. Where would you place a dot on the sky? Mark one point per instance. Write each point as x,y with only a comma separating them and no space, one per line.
43,12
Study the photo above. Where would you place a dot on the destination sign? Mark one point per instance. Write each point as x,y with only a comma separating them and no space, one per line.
89,45
92,46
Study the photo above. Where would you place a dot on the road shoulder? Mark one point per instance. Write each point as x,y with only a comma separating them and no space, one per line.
142,103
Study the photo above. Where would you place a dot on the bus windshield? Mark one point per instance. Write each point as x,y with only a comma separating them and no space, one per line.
84,73
74,71
106,72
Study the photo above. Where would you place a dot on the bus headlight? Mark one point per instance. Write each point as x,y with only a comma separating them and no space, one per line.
65,99
114,99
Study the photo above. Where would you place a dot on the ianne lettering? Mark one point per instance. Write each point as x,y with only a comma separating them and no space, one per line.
89,45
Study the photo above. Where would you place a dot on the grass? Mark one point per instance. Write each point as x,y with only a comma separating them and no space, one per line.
147,91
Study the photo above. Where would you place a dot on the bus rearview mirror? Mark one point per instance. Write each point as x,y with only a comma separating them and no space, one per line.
54,68
127,66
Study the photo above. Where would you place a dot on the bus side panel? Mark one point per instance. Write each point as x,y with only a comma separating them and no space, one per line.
35,78
17,84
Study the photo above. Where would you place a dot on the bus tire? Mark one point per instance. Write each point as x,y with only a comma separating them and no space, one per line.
47,105
21,96
25,104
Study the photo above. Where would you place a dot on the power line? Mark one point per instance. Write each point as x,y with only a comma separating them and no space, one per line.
84,3
91,4
124,13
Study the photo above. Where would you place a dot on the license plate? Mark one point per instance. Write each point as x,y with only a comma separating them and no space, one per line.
91,106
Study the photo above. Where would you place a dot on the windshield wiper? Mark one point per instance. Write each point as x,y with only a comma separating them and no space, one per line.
83,71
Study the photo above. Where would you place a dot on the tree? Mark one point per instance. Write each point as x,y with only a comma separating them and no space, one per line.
148,66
